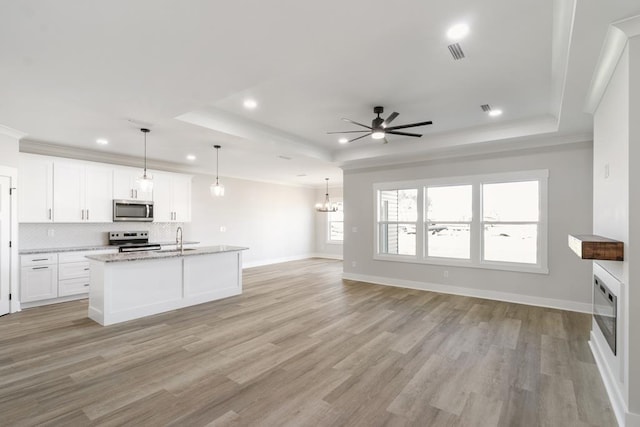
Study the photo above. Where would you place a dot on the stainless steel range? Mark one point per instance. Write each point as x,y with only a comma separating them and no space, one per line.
132,241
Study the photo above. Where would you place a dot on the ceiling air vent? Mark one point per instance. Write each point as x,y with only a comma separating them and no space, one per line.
456,51
486,108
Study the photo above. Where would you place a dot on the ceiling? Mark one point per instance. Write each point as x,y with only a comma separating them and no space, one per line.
73,72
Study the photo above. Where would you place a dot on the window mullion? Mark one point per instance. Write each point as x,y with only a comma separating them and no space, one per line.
476,223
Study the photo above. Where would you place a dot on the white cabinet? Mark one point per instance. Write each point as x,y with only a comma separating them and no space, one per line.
125,186
35,194
47,278
82,192
171,197
73,273
38,277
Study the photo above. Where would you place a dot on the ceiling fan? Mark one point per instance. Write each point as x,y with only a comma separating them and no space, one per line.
380,128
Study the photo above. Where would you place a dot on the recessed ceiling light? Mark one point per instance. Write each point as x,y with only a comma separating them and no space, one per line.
102,141
495,113
458,31
250,104
343,140
191,157
301,174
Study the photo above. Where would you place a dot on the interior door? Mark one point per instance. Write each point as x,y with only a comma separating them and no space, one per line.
5,237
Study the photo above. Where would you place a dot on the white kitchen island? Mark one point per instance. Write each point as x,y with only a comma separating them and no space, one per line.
126,286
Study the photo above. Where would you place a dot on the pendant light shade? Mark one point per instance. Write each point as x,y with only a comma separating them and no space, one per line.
217,189
145,181
327,206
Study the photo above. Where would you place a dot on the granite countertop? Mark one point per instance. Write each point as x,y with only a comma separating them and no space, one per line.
147,255
87,248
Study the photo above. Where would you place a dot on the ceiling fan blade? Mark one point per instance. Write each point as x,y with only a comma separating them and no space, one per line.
350,131
389,119
410,125
393,132
360,137
356,123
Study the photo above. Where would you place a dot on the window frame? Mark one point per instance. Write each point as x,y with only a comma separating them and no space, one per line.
477,239
328,225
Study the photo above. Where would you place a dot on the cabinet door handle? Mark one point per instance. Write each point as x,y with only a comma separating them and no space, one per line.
85,285
40,259
132,193
49,213
136,194
83,214
86,269
39,268
87,214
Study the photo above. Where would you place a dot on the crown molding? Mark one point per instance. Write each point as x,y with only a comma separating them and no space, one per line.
13,133
614,44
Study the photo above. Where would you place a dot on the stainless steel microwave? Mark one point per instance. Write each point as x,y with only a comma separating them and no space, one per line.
132,210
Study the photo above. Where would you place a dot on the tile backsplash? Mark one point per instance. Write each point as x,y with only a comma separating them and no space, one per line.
42,236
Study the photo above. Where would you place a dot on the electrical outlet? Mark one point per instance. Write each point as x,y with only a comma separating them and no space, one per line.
353,263
354,229
51,232
446,273
606,171
223,229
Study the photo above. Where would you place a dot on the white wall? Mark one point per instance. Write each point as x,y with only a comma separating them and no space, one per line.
611,200
323,247
275,221
616,205
568,283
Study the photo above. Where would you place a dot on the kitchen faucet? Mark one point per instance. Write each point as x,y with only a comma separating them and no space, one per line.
179,240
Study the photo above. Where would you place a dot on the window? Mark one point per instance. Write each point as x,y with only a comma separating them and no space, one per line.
448,224
510,216
335,225
496,221
397,218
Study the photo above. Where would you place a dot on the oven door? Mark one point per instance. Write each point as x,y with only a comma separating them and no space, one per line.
132,210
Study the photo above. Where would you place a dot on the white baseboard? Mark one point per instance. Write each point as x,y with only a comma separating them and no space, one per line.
470,292
275,260
327,256
614,393
289,258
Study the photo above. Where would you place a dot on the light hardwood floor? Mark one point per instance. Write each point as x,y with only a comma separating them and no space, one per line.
301,347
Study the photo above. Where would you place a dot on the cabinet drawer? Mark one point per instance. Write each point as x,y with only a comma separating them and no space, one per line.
38,259
73,287
73,270
72,257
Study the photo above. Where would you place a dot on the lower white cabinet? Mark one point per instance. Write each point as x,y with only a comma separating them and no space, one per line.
38,277
47,277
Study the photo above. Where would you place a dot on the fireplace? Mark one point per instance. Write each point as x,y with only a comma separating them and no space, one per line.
605,311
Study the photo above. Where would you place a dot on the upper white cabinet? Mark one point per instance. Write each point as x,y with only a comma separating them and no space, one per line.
171,197
53,189
125,186
83,192
35,194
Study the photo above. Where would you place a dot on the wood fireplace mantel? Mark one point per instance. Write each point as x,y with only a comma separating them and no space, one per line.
589,246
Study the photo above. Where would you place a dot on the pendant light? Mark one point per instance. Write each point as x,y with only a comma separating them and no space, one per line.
217,189
145,181
327,206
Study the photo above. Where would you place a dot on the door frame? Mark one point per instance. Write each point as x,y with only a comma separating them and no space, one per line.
12,174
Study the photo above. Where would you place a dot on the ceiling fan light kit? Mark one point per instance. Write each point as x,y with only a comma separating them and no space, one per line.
380,128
